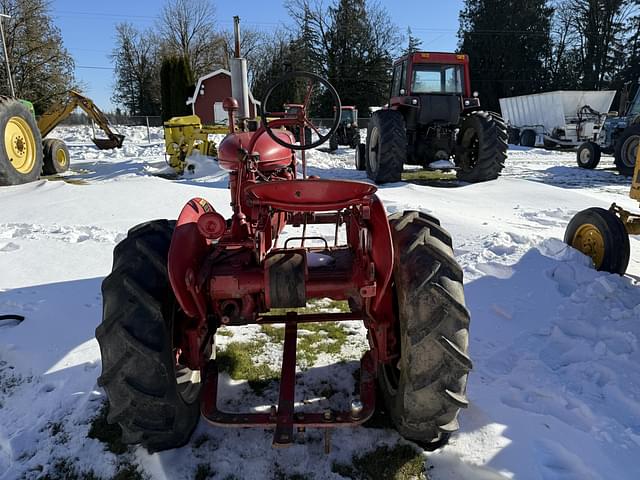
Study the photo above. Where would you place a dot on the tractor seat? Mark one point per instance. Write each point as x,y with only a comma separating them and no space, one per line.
309,195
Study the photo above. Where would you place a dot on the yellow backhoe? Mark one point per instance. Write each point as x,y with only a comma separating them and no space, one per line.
24,155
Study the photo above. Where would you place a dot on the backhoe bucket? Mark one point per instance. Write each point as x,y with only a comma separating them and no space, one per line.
114,141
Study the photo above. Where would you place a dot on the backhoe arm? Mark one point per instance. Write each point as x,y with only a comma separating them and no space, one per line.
49,120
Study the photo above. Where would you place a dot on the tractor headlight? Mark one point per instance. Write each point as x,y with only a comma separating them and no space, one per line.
414,101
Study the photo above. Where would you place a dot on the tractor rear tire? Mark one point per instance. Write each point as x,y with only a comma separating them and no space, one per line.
21,156
483,140
601,235
333,142
139,373
386,149
355,138
360,155
588,155
626,149
56,156
426,388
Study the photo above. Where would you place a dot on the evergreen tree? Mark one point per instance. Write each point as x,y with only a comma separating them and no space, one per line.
507,52
41,67
176,85
413,43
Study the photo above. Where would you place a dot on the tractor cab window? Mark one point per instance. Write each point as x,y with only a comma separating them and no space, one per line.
437,79
346,116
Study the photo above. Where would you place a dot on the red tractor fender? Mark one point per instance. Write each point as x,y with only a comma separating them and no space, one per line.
381,249
186,254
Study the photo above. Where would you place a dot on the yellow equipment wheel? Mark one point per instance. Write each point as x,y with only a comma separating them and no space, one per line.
601,235
20,144
56,156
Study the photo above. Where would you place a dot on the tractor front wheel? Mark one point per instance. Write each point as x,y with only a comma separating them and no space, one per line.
360,156
601,235
56,156
626,150
386,148
426,388
333,142
588,155
154,399
482,147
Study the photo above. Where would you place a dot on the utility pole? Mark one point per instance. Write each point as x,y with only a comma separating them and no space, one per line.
6,55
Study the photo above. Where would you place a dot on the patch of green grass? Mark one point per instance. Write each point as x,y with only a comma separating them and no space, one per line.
238,361
313,340
225,332
110,435
400,462
203,472
435,178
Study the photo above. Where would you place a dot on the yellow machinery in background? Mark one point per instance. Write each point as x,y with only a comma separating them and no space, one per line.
183,135
603,234
50,119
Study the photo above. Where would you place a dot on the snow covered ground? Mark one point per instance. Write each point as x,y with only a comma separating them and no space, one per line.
555,390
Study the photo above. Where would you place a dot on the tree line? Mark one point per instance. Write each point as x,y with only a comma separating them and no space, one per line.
515,46
518,47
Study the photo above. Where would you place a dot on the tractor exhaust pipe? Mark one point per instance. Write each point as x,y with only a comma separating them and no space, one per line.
239,77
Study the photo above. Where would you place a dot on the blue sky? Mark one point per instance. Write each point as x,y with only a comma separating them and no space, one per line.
88,29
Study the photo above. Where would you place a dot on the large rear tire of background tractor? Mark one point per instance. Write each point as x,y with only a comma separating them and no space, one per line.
625,150
601,235
333,142
588,155
386,148
426,389
154,401
20,144
483,142
56,156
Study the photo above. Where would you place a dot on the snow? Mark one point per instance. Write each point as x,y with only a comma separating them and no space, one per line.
555,390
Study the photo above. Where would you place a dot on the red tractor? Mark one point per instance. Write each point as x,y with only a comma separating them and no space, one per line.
174,283
433,116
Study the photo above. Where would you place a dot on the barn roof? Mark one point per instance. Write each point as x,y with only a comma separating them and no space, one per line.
220,71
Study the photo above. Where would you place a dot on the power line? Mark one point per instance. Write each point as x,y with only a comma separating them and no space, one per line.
91,67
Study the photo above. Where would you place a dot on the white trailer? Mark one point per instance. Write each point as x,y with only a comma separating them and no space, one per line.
556,119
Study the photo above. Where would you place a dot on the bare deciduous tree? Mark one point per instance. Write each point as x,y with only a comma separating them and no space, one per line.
187,28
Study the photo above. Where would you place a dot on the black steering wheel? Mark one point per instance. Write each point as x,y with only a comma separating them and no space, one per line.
300,118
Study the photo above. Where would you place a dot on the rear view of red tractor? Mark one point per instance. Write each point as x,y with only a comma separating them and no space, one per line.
433,117
175,282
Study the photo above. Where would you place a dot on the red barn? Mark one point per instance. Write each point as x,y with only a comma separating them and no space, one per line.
209,93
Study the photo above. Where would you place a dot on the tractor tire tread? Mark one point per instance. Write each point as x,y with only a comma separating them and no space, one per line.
134,337
392,147
434,325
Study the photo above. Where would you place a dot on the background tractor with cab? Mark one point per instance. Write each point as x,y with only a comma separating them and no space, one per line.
174,283
432,116
603,234
348,132
619,136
